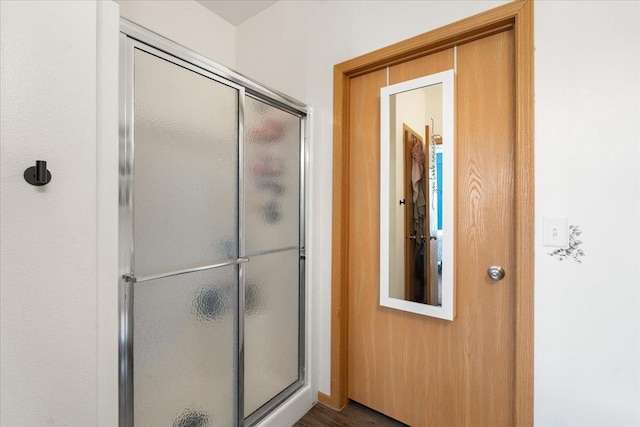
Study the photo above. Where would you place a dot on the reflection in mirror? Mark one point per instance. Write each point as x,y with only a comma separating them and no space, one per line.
417,196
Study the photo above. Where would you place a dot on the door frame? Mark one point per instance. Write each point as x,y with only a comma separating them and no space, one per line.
516,16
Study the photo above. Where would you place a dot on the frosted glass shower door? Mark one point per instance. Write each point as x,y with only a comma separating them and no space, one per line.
185,168
273,352
185,245
211,241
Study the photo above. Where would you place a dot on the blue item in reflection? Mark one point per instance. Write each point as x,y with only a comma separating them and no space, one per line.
439,187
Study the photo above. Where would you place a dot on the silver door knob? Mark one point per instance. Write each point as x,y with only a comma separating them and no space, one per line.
495,272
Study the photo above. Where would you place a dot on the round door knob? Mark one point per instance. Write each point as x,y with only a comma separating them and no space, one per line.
495,272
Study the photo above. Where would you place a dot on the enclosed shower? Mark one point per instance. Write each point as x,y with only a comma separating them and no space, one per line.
211,239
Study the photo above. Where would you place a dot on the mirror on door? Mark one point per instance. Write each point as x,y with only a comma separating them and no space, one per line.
417,194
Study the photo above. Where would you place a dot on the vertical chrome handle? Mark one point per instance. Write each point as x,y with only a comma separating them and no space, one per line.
496,272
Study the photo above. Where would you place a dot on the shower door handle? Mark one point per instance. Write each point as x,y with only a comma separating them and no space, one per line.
134,279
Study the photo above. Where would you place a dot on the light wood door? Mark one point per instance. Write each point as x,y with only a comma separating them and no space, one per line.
420,370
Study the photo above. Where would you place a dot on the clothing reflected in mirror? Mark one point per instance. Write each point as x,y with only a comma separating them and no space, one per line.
422,269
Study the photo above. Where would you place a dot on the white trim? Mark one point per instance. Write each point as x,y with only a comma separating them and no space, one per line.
107,54
311,300
312,317
290,411
447,310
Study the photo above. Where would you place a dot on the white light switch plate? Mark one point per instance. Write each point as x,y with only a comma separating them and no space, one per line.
555,232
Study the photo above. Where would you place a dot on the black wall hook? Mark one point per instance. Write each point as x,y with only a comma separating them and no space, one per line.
38,174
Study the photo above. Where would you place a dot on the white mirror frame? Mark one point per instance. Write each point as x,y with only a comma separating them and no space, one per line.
447,309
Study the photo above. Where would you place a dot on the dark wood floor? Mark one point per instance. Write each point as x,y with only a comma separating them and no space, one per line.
353,415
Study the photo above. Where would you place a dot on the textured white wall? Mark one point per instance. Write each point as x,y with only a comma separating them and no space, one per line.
186,22
587,342
587,162
50,368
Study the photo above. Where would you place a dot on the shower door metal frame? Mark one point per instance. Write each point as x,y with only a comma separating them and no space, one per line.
274,402
133,36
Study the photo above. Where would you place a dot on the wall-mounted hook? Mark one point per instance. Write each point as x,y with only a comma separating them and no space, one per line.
38,174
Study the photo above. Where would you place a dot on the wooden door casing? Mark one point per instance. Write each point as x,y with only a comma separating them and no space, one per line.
420,370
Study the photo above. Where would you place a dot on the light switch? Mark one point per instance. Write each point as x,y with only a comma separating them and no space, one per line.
555,232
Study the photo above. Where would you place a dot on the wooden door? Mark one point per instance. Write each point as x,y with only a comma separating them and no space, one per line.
420,370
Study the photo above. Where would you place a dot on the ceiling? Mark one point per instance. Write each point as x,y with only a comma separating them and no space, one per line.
236,11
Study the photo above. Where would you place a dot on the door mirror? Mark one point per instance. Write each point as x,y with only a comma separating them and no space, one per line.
417,196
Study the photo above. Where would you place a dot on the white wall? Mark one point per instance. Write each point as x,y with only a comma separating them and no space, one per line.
186,22
587,161
58,356
587,340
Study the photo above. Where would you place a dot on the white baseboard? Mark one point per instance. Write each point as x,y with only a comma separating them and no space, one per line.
290,411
